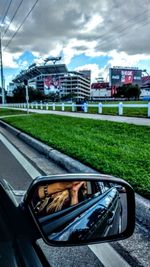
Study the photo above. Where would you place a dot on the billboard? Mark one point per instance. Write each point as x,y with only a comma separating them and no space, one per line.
52,84
100,85
120,76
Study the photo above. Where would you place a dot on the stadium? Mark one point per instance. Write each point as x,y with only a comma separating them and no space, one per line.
55,78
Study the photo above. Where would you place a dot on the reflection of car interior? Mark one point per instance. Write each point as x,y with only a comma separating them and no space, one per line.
97,215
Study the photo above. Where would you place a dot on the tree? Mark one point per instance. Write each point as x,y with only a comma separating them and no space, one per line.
133,91
129,91
53,96
70,96
20,94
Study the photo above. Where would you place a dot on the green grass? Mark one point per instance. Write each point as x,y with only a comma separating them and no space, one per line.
124,102
118,149
130,112
7,112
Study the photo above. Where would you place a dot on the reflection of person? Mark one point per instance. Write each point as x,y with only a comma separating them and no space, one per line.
54,197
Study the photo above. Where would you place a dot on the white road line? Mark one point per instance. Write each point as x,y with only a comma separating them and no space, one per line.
104,252
108,256
20,158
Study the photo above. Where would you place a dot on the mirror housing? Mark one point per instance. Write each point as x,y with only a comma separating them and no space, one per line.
104,211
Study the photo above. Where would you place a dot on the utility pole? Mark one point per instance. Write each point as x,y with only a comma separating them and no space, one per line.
27,95
1,66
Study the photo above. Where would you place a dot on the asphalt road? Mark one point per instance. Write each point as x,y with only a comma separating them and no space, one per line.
12,170
20,169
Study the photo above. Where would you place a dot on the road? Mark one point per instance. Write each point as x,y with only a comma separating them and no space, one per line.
19,164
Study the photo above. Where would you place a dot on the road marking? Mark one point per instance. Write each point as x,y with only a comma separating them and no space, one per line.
20,158
108,256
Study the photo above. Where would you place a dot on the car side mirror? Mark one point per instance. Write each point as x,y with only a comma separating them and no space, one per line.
75,209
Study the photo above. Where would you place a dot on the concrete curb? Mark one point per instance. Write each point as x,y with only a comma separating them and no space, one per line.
63,160
72,165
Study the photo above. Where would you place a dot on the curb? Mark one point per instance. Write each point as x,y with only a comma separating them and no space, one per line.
72,166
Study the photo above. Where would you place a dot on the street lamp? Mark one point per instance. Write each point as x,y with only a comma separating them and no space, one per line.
27,95
1,66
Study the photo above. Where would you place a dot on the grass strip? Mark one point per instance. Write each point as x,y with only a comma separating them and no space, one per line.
118,149
7,112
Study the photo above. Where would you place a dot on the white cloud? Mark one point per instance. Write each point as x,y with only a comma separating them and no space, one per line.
77,47
9,59
92,24
123,59
56,51
94,28
53,24
23,64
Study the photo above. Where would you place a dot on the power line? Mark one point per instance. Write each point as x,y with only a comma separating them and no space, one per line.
121,32
6,12
21,24
12,18
127,24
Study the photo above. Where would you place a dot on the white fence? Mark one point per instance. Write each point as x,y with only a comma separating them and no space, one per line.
76,107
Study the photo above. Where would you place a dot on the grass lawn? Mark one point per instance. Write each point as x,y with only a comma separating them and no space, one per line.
130,112
6,112
119,149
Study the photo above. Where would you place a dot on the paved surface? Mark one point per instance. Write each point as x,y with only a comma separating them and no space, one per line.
14,171
135,249
11,170
130,120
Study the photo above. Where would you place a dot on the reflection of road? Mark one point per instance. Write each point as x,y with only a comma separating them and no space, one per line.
123,200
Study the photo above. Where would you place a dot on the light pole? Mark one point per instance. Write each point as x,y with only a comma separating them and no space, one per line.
27,95
1,65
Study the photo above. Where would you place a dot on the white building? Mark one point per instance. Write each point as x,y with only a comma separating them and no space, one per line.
145,92
100,90
145,88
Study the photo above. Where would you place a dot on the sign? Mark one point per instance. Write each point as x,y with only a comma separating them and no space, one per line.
120,76
52,84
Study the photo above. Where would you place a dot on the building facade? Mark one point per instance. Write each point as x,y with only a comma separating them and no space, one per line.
56,78
100,90
145,88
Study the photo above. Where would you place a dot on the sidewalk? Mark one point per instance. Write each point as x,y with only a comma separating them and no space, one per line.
130,120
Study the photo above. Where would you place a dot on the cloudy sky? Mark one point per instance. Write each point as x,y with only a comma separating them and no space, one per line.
92,35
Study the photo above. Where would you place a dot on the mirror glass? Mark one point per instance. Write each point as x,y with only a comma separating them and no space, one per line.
79,211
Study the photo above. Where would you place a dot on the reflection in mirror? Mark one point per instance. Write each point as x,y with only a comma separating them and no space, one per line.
77,211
